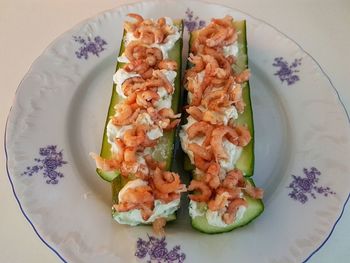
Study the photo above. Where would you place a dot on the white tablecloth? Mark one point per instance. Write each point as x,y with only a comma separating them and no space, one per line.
321,27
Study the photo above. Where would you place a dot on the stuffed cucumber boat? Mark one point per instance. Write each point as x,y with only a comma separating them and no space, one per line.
218,135
138,140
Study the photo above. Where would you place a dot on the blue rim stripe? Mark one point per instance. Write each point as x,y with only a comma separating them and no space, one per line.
329,235
19,203
243,12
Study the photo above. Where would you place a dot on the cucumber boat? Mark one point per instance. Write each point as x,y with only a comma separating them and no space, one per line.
138,140
202,218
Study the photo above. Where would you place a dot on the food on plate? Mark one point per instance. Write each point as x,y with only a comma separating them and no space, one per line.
219,134
138,141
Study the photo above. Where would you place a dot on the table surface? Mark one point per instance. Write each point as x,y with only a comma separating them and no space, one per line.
28,27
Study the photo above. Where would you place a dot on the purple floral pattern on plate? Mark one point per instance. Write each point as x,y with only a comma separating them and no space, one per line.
304,187
89,46
287,72
193,22
155,250
48,163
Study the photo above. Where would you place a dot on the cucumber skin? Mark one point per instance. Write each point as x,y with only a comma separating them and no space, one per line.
170,135
246,162
201,223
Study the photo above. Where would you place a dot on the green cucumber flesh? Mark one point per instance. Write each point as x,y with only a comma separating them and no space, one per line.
164,150
254,209
246,161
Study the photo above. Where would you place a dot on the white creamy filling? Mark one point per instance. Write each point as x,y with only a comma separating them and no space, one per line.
114,131
233,152
134,217
119,77
122,75
231,49
130,185
185,141
214,218
168,44
200,77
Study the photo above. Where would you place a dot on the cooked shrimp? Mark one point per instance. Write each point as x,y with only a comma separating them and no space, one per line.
153,56
200,128
139,19
230,215
200,163
172,125
105,164
244,136
123,113
212,175
138,66
166,182
133,84
153,164
198,63
167,85
134,136
217,37
205,192
135,50
169,113
233,178
131,26
151,34
217,140
254,192
208,59
167,64
165,198
243,76
233,193
119,156
147,98
213,117
130,154
158,226
215,100
200,151
147,74
224,22
195,112
219,202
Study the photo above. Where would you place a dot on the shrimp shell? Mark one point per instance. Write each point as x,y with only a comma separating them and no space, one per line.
105,164
158,226
244,136
166,182
167,64
195,112
230,215
205,192
233,178
219,202
217,140
200,151
198,128
254,192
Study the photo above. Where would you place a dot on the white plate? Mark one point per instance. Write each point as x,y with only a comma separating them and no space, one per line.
302,148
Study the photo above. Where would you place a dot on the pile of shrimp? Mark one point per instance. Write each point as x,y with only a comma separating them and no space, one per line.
141,97
213,85
147,30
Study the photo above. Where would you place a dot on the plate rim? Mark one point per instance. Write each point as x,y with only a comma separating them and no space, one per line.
76,26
